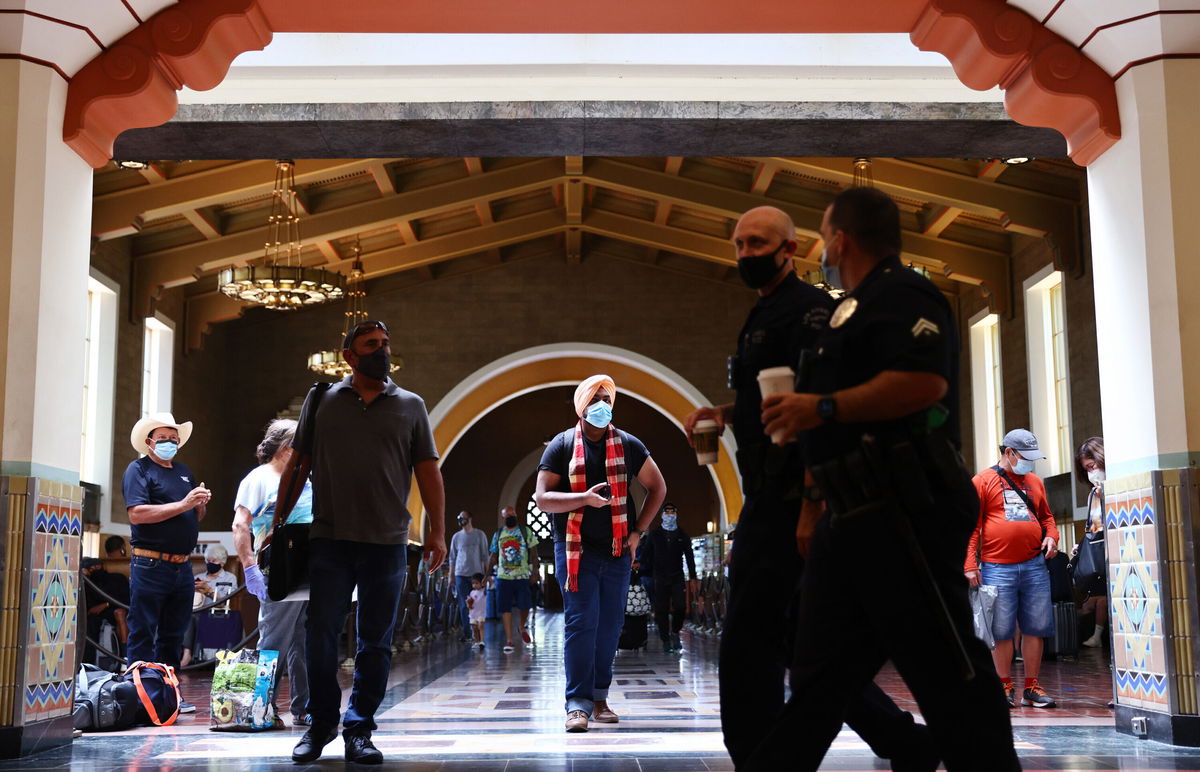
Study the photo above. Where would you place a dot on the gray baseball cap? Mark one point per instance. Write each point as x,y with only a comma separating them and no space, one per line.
1023,441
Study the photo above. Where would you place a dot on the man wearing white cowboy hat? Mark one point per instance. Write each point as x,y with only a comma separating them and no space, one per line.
165,506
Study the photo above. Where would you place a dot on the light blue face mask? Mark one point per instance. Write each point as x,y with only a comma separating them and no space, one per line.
833,273
166,450
670,522
1024,466
598,415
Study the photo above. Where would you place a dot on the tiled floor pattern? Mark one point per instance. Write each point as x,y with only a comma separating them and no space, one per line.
451,707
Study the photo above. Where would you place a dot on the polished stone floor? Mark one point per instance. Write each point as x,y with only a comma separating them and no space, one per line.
451,707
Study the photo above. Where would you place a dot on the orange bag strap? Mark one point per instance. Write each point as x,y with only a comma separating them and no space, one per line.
169,678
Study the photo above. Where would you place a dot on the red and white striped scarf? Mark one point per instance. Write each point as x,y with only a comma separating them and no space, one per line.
618,479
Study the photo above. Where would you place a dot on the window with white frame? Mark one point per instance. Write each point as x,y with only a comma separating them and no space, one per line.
1049,376
157,365
99,367
987,387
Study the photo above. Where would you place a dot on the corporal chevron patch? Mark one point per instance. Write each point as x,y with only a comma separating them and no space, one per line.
925,327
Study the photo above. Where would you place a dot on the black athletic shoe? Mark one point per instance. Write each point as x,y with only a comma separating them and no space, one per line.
313,742
361,750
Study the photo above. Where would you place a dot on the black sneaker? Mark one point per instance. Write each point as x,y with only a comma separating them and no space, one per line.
1008,694
186,707
313,742
1036,696
360,749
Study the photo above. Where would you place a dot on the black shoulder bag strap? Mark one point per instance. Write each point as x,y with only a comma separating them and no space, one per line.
303,444
1029,504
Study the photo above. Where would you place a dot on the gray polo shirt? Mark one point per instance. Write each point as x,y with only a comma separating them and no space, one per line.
362,462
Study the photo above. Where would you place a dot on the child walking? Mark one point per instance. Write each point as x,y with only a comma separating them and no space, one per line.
477,603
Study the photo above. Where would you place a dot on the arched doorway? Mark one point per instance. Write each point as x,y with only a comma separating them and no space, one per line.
544,374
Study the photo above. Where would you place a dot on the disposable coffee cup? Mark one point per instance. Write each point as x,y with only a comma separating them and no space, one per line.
704,437
777,380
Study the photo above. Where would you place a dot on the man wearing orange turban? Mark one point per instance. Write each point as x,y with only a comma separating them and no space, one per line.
583,481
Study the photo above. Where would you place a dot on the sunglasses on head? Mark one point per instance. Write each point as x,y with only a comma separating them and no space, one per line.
361,328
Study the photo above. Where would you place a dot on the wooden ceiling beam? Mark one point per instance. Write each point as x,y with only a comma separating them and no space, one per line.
202,311
483,239
987,265
764,174
1020,211
122,212
180,264
205,220
938,219
384,181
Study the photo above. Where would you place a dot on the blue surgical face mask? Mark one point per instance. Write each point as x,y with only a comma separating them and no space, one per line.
166,450
833,273
1023,466
598,415
670,522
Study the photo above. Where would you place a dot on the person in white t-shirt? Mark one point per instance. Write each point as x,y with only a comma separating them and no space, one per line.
280,623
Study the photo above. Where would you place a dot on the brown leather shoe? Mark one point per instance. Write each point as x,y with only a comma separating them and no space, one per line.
602,714
577,721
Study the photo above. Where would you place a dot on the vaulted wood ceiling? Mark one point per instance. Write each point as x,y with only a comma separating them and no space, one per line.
430,217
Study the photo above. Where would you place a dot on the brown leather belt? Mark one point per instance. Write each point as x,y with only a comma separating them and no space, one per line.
141,553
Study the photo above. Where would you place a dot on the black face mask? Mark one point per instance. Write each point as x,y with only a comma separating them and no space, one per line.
375,365
510,522
758,271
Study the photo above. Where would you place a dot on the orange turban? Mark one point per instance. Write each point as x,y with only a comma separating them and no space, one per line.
586,390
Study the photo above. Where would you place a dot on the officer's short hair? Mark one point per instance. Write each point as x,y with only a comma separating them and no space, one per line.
871,218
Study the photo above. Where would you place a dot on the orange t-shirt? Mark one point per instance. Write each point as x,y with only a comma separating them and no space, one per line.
1011,533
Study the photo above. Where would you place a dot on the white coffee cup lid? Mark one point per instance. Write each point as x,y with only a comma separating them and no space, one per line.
777,372
705,423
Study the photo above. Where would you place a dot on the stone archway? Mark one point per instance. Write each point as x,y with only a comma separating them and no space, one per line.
565,364
1047,81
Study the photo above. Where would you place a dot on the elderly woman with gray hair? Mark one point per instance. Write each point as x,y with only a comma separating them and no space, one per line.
280,623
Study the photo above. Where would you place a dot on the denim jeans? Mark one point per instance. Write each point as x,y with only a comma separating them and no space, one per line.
462,588
281,629
336,567
160,607
1023,594
592,620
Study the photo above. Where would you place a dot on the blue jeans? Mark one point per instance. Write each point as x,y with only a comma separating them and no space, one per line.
462,588
1023,593
160,607
336,567
592,620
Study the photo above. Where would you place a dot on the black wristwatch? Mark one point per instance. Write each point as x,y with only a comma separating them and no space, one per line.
827,409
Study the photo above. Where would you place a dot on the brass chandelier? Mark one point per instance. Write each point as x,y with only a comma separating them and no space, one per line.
281,282
331,363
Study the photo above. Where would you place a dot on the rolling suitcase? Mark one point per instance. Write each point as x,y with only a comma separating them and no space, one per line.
1065,642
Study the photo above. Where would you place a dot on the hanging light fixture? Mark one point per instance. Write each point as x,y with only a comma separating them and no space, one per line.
863,176
331,363
281,283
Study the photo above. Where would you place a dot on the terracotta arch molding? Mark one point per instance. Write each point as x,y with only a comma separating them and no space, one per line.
134,83
1046,80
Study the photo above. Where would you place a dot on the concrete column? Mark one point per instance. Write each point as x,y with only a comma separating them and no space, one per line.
45,214
1146,248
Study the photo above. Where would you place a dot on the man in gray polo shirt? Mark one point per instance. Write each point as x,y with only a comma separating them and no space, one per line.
468,556
370,438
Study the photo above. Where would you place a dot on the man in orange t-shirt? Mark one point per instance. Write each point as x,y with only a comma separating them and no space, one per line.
1007,551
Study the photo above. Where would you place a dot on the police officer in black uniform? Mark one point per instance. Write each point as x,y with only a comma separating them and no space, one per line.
884,577
765,568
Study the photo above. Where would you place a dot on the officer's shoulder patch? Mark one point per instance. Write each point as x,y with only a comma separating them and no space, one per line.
816,318
925,327
844,311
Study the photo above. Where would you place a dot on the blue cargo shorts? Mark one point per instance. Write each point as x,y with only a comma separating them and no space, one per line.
1023,594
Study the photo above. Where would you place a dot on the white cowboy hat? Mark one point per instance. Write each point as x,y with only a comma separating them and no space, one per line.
142,429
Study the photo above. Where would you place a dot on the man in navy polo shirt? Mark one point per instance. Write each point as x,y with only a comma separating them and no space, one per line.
165,506
369,440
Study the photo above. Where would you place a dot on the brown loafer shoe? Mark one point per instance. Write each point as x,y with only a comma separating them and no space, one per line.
577,721
602,714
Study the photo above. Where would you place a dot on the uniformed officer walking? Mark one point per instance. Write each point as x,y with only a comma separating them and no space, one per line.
884,577
765,563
